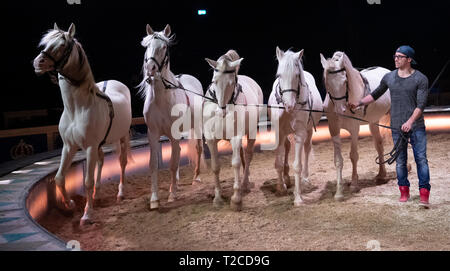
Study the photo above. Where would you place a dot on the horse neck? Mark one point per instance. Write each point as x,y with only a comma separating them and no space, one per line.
304,89
355,86
77,95
158,91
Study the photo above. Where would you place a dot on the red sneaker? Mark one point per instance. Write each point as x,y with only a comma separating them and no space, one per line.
404,193
424,196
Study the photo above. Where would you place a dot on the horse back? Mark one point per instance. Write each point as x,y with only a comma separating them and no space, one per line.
251,90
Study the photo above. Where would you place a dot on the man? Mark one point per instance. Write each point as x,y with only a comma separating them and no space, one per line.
409,90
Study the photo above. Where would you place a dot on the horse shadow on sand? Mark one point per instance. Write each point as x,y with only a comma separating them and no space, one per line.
315,193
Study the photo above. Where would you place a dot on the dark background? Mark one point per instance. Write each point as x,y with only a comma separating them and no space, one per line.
110,33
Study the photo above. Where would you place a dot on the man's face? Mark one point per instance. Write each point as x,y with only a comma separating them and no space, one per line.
401,60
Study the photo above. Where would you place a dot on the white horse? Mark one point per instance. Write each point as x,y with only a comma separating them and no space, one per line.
345,84
162,90
90,117
231,122
295,89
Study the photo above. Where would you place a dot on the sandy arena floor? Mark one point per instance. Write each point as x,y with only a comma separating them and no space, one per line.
370,211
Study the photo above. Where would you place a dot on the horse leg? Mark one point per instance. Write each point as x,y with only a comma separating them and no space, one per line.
91,160
236,199
101,158
297,166
241,153
287,149
339,163
215,166
174,169
67,154
246,184
154,148
123,159
354,156
307,151
199,149
378,141
280,165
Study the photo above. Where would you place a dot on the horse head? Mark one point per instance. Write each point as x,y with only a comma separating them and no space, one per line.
57,49
289,74
224,81
157,50
335,78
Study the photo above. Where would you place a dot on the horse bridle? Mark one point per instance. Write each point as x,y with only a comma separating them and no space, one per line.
282,91
59,64
346,91
236,86
165,60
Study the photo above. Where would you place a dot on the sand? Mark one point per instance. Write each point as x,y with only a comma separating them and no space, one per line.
370,217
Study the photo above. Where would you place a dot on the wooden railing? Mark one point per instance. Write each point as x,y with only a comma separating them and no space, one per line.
51,132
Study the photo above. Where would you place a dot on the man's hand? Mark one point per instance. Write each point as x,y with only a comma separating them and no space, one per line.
406,127
353,106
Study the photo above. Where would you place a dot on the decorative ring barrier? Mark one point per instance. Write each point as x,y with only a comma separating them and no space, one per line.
26,195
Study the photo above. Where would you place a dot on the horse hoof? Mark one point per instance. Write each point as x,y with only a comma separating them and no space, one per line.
298,203
71,205
338,197
218,202
171,198
154,205
85,222
120,199
281,192
236,206
196,181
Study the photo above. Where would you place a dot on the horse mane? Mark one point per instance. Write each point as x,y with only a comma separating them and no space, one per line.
291,65
230,56
77,64
355,82
143,86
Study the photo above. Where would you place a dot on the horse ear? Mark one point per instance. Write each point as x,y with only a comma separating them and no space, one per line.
236,63
149,30
299,55
346,61
323,61
280,53
211,63
55,27
167,30
71,30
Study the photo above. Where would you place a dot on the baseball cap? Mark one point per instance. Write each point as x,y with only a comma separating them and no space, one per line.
408,51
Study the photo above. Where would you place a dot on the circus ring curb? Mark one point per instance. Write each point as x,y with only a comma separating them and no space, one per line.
24,190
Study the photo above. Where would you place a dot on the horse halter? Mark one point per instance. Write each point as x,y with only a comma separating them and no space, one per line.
346,91
279,97
236,86
165,60
59,64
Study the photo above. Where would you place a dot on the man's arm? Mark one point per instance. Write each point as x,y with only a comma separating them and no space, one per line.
377,93
422,95
406,127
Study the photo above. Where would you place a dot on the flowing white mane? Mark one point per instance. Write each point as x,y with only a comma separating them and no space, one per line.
290,65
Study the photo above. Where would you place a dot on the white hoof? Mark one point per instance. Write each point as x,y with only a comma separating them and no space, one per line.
218,201
196,181
154,205
339,197
298,202
172,197
236,205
